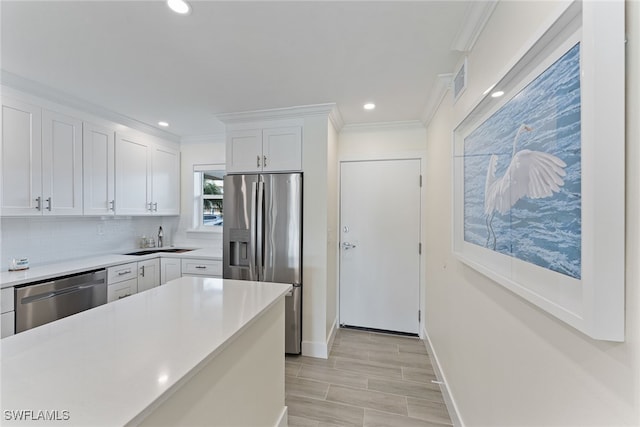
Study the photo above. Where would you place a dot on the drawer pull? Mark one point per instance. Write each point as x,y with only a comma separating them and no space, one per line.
124,296
201,266
122,273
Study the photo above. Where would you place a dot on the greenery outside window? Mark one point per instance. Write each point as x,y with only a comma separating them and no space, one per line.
208,184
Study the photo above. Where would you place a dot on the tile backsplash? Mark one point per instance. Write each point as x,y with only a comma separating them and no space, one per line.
47,240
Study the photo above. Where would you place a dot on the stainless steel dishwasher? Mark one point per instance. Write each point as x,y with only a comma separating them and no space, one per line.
43,302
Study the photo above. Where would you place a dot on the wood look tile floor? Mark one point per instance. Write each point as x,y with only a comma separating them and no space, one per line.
368,380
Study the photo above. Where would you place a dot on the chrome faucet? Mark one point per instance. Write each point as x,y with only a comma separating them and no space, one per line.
160,236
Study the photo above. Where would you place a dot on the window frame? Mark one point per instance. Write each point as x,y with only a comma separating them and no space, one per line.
199,197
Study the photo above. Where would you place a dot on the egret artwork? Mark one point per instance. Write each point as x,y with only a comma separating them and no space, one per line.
522,173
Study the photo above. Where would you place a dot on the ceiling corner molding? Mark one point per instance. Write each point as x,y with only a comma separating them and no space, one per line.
336,118
39,90
277,113
441,87
218,137
476,17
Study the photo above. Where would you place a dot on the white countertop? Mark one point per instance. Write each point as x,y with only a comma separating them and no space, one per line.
44,272
112,364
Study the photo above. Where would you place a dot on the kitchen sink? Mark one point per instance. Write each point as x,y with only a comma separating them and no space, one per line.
155,251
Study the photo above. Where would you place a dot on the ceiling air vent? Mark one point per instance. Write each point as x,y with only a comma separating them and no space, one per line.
460,80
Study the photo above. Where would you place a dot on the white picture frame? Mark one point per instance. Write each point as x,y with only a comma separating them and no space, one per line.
591,298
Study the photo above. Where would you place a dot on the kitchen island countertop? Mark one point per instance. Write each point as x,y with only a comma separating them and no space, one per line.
117,363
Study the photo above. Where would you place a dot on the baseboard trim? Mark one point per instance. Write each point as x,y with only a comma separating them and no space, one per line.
283,421
454,413
332,335
320,349
315,349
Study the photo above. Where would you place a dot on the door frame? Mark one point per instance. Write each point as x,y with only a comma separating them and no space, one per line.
409,155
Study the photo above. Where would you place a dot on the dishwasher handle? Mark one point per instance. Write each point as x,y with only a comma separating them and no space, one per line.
47,295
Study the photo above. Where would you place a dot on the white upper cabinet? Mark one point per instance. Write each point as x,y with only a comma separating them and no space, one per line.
21,159
244,151
99,170
166,181
133,175
41,161
264,150
61,164
282,149
55,164
147,177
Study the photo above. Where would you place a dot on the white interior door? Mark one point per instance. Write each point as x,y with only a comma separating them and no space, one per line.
379,248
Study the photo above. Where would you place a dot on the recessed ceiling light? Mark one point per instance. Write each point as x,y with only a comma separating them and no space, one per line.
369,106
497,94
163,124
179,6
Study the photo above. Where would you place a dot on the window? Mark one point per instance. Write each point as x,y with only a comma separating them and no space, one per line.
208,185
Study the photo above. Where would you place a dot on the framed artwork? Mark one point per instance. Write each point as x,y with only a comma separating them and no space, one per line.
539,172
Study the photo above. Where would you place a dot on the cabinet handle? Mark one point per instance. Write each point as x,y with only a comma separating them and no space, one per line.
264,161
39,203
124,296
257,161
49,204
201,266
150,207
112,205
142,271
122,273
155,207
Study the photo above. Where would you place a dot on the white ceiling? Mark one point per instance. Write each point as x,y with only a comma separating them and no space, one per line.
141,60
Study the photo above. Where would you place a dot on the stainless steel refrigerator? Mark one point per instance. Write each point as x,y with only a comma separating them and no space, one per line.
263,238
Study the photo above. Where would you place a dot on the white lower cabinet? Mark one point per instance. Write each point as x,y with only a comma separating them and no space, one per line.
148,274
128,279
170,268
122,281
8,317
121,290
201,267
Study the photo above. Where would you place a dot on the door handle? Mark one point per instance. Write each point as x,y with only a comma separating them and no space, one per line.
347,245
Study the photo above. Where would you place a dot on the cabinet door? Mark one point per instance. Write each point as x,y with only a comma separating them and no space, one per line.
21,152
148,274
133,176
7,324
166,181
61,164
282,149
122,289
244,151
98,150
170,268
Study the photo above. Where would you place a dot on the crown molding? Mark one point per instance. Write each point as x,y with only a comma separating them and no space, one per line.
279,113
214,138
48,93
476,17
405,124
336,118
442,86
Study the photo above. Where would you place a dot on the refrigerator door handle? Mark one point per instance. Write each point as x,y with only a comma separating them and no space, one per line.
252,243
260,228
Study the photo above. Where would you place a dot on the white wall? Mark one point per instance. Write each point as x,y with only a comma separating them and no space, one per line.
507,362
209,150
332,233
314,245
